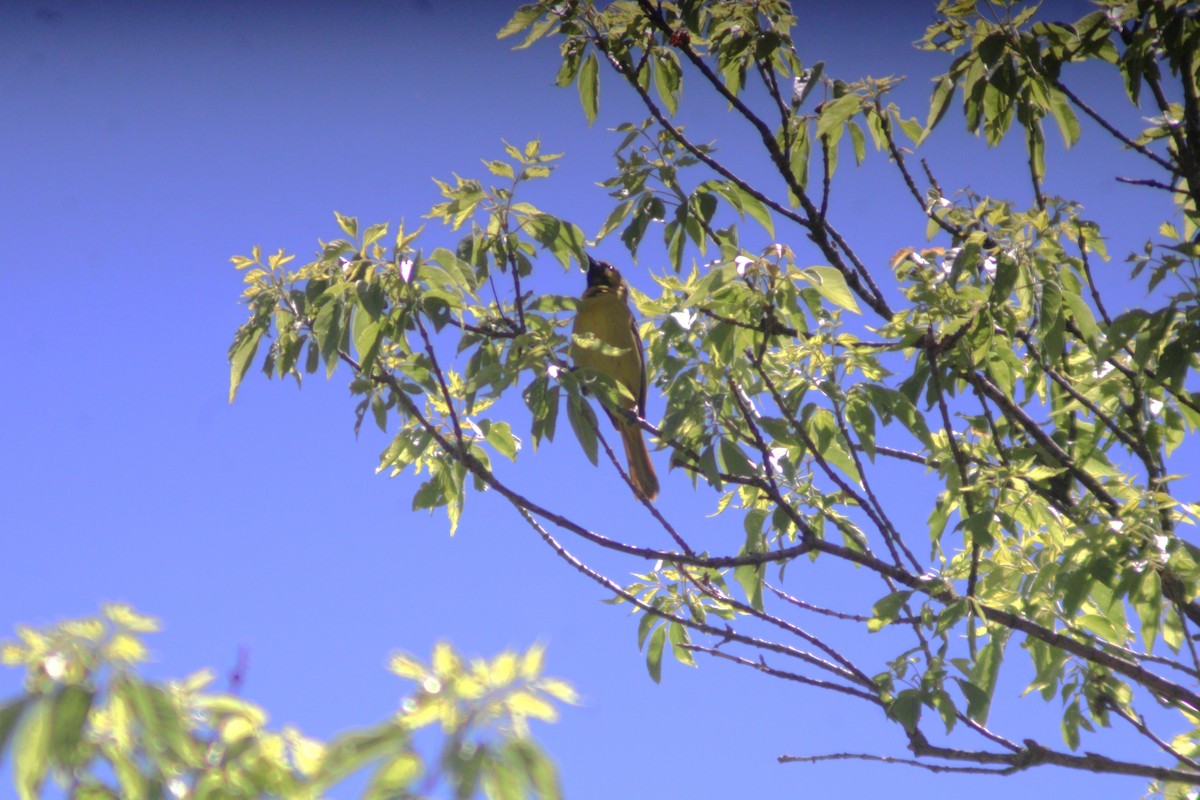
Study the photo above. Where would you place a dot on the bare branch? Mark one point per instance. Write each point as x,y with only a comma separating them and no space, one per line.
761,666
1116,134
944,768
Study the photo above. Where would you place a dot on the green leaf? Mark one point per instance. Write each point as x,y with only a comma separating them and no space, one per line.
912,129
1082,314
500,436
498,779
241,355
887,609
941,700
943,93
862,422
892,404
757,210
521,19
10,716
589,87
374,233
71,707
349,752
348,224
1149,607
368,335
742,201
563,239
822,426
654,654
646,624
750,578
539,770
31,751
678,636
1051,323
615,218
1068,125
859,142
500,169
835,113
1071,721
734,460
984,674
541,397
453,481
1102,627
328,330
394,777
831,284
583,423
978,701
905,708
667,76
1036,147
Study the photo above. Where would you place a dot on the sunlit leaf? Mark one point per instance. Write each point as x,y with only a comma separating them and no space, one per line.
831,284
31,751
589,87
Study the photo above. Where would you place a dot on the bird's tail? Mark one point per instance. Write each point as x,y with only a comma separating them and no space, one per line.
641,471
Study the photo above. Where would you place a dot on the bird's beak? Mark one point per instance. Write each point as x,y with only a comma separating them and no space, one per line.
595,270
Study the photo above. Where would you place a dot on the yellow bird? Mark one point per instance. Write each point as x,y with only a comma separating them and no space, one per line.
604,313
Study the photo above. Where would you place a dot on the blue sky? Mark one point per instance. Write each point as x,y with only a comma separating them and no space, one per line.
143,144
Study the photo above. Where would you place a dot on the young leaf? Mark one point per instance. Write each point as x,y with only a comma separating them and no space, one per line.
831,284
984,674
589,87
31,752
943,93
887,609
583,423
241,355
678,636
71,707
906,708
348,224
834,114
667,77
500,436
750,578
10,717
654,654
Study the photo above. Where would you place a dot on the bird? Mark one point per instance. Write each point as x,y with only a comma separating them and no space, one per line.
604,313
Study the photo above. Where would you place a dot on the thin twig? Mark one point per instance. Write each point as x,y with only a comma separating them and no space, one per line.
1153,184
1087,274
1139,724
437,371
941,768
761,666
827,612
1116,134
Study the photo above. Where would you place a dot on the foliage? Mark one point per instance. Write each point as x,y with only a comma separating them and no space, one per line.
100,729
801,385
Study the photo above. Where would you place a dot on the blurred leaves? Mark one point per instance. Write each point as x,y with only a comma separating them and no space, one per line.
89,721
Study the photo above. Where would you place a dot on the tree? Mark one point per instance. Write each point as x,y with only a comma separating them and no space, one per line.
102,730
985,363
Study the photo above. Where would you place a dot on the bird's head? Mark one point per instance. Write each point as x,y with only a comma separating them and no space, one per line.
602,275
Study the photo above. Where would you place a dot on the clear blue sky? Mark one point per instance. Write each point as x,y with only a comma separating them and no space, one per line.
142,144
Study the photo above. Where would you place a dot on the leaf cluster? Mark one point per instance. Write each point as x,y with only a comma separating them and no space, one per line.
89,721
